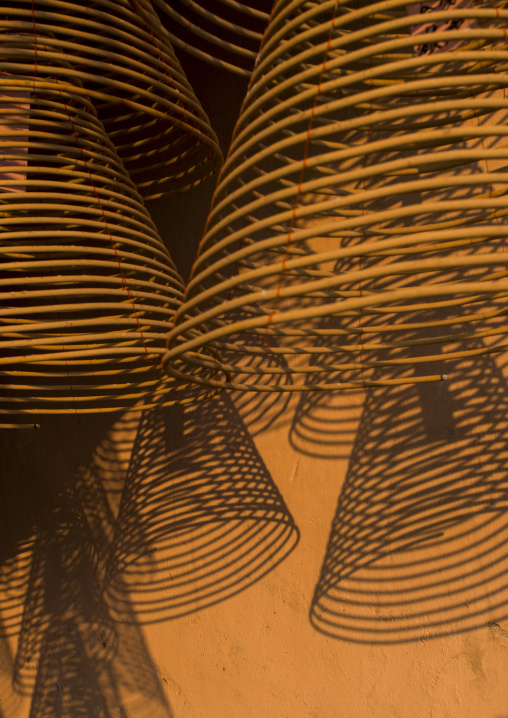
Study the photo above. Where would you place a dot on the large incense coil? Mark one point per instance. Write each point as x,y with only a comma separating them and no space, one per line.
128,69
226,34
87,288
360,219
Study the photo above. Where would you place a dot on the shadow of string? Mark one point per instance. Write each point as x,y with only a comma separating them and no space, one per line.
72,658
200,518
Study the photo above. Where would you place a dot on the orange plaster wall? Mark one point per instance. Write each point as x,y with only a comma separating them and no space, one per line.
258,655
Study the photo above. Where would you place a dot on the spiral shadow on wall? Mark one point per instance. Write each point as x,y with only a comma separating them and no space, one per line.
324,424
262,409
417,547
200,518
10,700
72,658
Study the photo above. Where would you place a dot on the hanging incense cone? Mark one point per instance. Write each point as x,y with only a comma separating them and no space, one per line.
366,184
227,36
128,69
87,288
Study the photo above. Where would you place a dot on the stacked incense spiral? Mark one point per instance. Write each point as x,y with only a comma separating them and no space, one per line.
358,229
226,34
115,54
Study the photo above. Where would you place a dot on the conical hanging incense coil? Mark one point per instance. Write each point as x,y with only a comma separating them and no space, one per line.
129,70
87,288
226,33
360,219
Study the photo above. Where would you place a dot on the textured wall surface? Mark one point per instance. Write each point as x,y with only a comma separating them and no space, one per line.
401,509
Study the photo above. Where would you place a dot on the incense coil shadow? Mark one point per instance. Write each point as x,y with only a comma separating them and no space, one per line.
266,406
72,682
260,411
36,468
416,548
200,519
72,658
324,424
9,702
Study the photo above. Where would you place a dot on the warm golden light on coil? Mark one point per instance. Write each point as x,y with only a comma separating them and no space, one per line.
87,288
226,34
121,61
358,229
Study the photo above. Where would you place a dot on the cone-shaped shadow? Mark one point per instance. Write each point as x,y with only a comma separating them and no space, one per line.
71,655
259,410
9,700
74,682
324,424
36,470
200,518
66,626
418,543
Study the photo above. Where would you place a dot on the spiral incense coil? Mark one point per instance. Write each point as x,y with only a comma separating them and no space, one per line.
87,288
360,220
226,34
129,71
